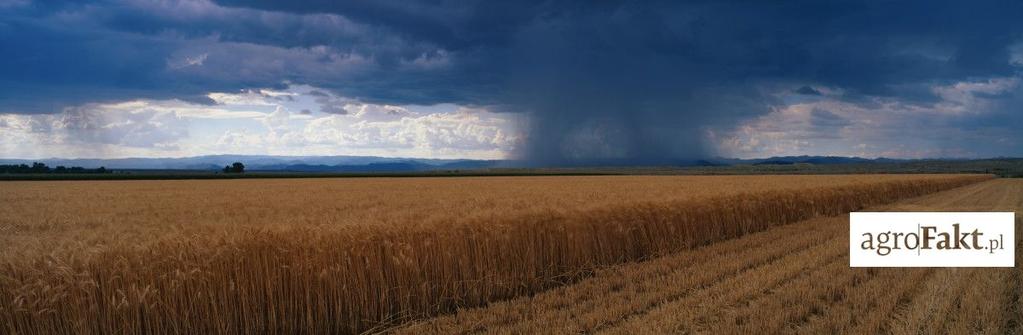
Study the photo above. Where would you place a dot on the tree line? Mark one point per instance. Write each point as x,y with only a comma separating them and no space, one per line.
42,168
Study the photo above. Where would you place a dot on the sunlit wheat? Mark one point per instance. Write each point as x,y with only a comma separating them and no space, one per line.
347,256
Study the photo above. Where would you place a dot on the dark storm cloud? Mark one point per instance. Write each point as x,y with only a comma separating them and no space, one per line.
640,82
60,54
452,24
807,90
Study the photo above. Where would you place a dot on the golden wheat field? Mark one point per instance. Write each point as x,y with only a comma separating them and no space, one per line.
624,254
789,279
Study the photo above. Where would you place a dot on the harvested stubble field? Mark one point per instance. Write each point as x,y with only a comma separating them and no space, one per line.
788,279
354,255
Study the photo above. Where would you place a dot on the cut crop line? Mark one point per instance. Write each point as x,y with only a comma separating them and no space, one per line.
777,271
750,251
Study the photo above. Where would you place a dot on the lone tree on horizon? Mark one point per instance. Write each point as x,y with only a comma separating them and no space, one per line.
237,167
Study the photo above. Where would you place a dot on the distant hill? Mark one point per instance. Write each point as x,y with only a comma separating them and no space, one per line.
271,163
819,160
789,160
327,164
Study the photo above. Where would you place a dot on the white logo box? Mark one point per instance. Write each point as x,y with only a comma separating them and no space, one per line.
983,239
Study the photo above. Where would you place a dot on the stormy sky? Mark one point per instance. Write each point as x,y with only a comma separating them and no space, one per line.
551,82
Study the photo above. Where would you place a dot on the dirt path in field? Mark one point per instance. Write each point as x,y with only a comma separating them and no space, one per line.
789,279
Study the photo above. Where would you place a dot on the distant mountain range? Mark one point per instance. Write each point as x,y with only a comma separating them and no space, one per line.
818,160
389,164
270,163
